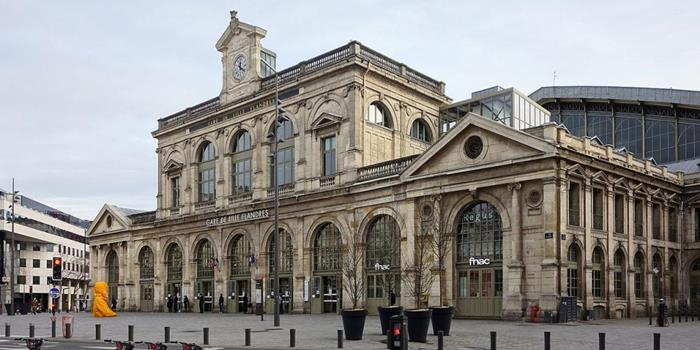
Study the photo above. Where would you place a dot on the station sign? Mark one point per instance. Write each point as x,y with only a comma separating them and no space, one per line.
239,217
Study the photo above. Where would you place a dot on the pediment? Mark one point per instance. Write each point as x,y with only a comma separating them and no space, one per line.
108,220
234,29
326,120
501,145
172,166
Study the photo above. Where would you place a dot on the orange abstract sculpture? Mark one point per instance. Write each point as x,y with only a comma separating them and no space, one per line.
100,307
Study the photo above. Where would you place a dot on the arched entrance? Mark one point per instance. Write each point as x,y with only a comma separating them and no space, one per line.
239,274
204,287
286,286
479,262
383,262
173,269
146,275
113,277
326,287
695,283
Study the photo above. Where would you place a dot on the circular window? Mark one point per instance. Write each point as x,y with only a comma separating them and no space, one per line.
427,211
534,197
474,147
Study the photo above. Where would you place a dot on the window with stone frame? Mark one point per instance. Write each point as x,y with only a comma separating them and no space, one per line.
598,273
656,221
329,164
619,273
175,191
421,131
639,275
207,173
285,154
377,114
286,252
326,248
598,208
173,260
638,217
241,163
574,203
205,260
239,253
146,264
672,224
619,213
573,271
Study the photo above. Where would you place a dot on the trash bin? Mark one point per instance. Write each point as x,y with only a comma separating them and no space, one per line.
67,326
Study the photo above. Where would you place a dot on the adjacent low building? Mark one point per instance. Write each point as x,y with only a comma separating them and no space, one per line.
529,215
40,234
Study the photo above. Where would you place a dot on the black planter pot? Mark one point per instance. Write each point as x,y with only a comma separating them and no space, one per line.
385,313
418,323
354,323
442,319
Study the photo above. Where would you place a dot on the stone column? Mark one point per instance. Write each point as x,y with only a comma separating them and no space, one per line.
550,269
588,248
611,249
648,233
629,227
512,306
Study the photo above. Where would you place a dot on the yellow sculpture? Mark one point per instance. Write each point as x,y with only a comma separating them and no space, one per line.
100,307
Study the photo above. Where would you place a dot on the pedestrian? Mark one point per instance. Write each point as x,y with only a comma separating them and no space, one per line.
176,303
201,303
392,298
114,304
169,303
186,303
221,303
661,319
35,306
245,303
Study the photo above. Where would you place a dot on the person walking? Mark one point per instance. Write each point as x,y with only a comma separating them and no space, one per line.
186,303
392,298
221,303
245,303
176,303
170,303
662,318
201,303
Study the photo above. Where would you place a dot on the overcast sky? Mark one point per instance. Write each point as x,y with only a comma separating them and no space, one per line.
82,83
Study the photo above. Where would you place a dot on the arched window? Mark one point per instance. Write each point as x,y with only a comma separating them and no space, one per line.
572,271
421,131
673,279
146,263
598,273
242,159
238,256
285,154
112,267
377,114
173,260
205,260
657,269
327,248
480,234
286,252
639,275
619,271
383,257
207,172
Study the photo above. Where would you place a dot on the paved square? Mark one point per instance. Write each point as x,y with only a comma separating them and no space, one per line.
319,332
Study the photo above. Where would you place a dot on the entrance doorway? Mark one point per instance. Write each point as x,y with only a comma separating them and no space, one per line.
695,283
480,292
239,295
113,278
286,295
146,297
325,294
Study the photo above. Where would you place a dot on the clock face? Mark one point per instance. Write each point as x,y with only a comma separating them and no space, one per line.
240,67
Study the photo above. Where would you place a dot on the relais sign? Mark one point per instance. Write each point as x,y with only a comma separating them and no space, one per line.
479,261
239,217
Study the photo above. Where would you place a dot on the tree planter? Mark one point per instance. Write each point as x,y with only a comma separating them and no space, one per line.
442,319
385,313
354,323
418,323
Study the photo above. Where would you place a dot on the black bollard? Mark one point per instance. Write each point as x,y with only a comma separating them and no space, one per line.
206,336
547,341
441,334
657,341
7,329
53,328
68,331
166,339
247,337
292,337
340,339
493,340
98,331
601,341
31,330
131,332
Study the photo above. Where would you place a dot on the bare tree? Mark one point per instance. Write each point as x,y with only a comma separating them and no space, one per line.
354,283
441,240
417,269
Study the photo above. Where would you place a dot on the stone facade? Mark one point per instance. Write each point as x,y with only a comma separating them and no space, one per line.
502,197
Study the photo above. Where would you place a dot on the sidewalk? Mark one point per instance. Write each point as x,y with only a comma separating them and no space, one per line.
320,331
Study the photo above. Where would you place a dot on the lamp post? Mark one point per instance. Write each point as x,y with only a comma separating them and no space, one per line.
276,276
12,250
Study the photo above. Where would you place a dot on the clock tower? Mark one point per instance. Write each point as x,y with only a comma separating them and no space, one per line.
241,54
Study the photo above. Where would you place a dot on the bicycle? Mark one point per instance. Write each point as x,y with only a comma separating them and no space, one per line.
32,343
188,346
121,345
153,346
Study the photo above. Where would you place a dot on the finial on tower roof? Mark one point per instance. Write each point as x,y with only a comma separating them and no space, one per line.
233,14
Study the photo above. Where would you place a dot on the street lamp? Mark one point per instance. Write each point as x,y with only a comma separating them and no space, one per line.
12,249
276,235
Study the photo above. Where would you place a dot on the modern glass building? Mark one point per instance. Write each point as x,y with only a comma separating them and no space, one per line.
663,124
508,106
